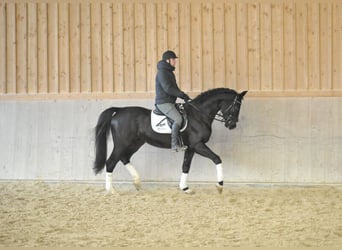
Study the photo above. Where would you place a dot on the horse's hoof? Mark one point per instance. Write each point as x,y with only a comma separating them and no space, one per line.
219,188
110,191
137,185
188,191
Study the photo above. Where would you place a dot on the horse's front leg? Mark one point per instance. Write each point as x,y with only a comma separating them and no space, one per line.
204,150
183,185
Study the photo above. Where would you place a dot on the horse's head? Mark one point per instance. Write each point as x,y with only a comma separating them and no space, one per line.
231,110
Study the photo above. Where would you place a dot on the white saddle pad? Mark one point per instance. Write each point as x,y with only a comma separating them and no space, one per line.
160,124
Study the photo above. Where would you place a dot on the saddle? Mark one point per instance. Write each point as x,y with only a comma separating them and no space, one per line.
161,124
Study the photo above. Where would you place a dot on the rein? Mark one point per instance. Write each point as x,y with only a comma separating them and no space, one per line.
221,117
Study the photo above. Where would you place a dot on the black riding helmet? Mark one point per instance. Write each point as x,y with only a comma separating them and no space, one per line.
169,54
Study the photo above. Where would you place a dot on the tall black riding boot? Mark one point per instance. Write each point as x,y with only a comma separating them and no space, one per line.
174,138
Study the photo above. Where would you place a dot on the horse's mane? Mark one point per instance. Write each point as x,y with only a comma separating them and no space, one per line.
217,91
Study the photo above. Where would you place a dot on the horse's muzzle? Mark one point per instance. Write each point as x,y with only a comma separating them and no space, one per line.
230,124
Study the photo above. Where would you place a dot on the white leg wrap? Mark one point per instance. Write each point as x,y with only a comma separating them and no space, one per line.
219,172
132,171
183,181
109,180
134,174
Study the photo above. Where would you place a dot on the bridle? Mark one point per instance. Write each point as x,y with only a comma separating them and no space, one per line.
221,117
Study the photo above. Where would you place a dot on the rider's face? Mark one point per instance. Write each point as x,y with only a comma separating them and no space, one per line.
173,61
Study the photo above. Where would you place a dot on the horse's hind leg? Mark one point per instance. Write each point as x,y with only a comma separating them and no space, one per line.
110,165
125,158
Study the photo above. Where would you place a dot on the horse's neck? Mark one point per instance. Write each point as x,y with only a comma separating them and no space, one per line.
211,106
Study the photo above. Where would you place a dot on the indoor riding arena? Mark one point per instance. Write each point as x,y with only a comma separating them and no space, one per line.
63,62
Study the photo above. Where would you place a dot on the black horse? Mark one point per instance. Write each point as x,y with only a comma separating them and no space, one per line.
131,128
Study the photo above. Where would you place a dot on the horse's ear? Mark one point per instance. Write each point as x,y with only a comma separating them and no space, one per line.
242,94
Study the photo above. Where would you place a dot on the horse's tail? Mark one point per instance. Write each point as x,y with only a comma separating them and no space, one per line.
101,134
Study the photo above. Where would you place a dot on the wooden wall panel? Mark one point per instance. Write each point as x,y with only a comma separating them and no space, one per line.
290,69
96,48
11,57
42,49
151,45
75,48
118,48
302,47
253,47
207,46
2,48
21,47
242,45
219,63
53,64
336,46
65,48
313,46
277,47
140,47
184,47
196,46
107,47
86,59
230,37
266,73
32,49
325,46
129,47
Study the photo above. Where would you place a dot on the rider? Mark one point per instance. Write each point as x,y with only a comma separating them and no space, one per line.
167,92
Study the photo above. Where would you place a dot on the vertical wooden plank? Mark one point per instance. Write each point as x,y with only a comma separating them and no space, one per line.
266,46
253,47
219,45
326,46
173,31
172,26
313,46
11,49
162,28
107,44
42,48
337,48
128,47
290,46
231,45
196,46
302,46
85,48
140,47
118,47
242,46
96,48
184,47
207,46
277,47
32,49
151,45
63,48
3,47
75,47
53,47
21,41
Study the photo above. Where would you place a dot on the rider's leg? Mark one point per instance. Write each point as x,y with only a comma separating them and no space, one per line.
174,137
170,111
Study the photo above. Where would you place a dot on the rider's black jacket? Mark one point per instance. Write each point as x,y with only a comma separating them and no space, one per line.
167,89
